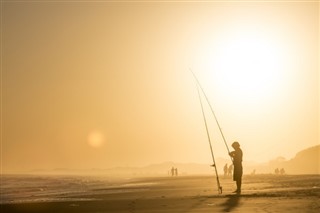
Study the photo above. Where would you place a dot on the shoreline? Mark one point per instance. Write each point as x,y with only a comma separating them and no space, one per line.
295,193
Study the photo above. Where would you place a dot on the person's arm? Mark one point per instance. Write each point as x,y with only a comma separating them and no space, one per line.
232,154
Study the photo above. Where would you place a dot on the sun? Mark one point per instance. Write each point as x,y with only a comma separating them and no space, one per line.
244,67
248,67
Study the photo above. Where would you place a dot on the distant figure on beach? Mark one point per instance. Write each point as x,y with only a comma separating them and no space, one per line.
282,172
172,171
253,172
225,170
276,171
176,171
237,163
230,170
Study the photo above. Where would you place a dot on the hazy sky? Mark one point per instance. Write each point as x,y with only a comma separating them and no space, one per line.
102,84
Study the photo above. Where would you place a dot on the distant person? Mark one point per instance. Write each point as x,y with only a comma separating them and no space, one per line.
237,163
276,171
176,171
172,171
253,172
282,172
230,170
225,170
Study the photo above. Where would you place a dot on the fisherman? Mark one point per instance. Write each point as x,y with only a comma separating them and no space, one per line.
237,163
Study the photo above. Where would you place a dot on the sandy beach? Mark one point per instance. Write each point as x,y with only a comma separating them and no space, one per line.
261,193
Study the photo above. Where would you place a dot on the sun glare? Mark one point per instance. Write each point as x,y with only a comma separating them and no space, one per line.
95,139
245,67
248,68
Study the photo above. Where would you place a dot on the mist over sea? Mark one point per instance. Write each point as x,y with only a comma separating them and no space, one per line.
46,188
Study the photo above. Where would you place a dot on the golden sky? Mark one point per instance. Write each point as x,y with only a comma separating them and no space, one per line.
102,84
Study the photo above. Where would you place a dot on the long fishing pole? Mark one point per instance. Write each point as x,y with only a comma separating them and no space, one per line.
215,117
209,139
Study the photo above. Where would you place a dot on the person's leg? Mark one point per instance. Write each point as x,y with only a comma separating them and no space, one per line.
238,185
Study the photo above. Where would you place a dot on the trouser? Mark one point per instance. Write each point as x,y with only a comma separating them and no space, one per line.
238,182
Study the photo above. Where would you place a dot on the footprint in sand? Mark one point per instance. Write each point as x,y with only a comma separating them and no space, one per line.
132,206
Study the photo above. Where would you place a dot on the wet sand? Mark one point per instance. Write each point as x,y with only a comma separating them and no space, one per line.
261,193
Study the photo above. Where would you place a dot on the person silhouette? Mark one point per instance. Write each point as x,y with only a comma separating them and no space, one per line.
176,171
225,170
230,170
172,171
237,163
253,172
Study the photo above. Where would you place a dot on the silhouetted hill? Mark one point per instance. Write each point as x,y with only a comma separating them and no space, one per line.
305,162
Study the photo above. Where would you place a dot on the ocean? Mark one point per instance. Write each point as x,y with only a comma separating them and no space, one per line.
46,188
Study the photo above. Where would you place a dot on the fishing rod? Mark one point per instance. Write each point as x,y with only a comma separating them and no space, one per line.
209,139
214,115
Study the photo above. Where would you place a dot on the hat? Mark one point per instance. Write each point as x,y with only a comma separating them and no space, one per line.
235,144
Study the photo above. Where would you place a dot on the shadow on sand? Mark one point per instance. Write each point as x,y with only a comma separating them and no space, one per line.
231,203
